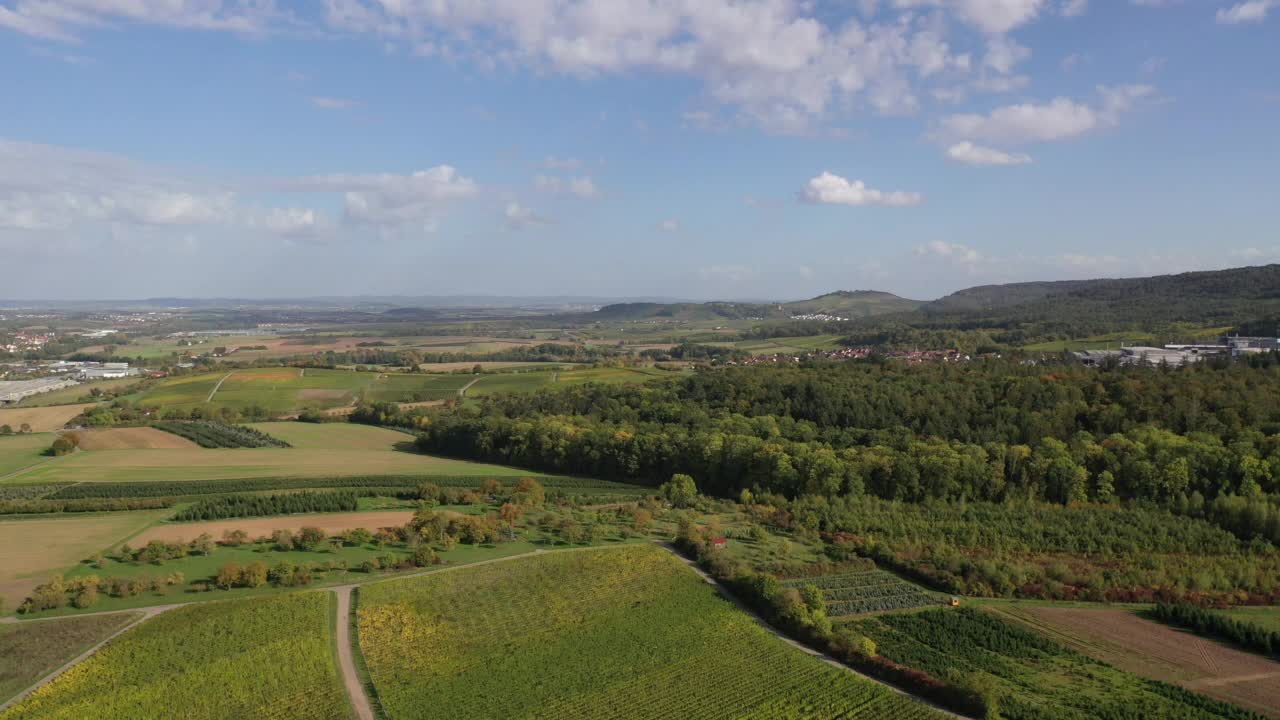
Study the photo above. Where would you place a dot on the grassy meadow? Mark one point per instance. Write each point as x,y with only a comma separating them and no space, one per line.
20,451
619,633
260,658
34,549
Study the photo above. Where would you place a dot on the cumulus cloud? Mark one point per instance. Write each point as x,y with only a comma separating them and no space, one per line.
60,20
392,200
952,252
49,188
1074,8
969,154
44,187
517,217
1059,119
583,187
830,189
775,61
1246,12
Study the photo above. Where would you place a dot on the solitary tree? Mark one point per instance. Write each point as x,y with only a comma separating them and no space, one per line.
680,490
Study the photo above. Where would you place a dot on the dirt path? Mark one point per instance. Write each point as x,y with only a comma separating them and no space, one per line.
796,643
144,615
462,391
346,660
215,387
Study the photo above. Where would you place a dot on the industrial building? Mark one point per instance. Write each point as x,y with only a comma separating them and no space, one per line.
13,392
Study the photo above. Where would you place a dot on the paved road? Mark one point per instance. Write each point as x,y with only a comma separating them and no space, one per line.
143,616
346,659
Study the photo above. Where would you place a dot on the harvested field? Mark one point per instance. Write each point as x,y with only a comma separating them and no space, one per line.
1160,652
32,551
329,522
41,419
141,438
202,464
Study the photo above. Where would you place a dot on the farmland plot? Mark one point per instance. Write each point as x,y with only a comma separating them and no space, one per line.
29,651
1034,677
855,593
258,658
617,633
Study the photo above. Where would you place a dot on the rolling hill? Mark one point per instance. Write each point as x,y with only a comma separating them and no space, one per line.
843,303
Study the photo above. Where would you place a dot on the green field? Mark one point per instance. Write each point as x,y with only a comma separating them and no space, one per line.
334,436
20,451
1033,677
30,651
260,658
619,633
286,390
1267,617
799,344
513,382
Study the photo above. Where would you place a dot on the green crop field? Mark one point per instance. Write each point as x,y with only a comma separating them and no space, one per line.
334,436
620,633
865,592
20,451
1265,616
286,389
1033,677
260,658
29,651
75,393
512,382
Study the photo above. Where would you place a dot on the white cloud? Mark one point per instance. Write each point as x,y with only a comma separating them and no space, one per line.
61,19
778,63
991,16
669,226
517,217
1074,8
1003,53
829,189
583,187
295,222
970,154
332,103
1059,119
952,252
43,187
1251,11
391,200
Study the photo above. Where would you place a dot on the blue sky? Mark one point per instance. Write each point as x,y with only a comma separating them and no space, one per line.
687,148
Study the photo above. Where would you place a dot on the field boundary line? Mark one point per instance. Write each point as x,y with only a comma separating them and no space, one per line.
146,614
824,657
219,385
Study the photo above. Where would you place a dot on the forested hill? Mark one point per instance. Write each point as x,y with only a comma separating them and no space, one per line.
843,303
1218,297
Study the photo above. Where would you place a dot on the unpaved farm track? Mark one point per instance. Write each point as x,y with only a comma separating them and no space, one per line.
346,659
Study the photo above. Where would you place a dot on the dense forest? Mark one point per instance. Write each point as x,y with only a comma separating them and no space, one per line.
992,478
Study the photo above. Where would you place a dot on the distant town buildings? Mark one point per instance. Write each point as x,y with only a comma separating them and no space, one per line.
1179,355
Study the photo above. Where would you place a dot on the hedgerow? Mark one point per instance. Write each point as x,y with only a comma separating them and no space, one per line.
231,506
195,488
211,434
39,506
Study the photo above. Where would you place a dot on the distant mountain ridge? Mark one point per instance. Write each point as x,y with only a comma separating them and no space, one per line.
848,304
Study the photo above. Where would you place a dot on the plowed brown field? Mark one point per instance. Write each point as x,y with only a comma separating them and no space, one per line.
1160,652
